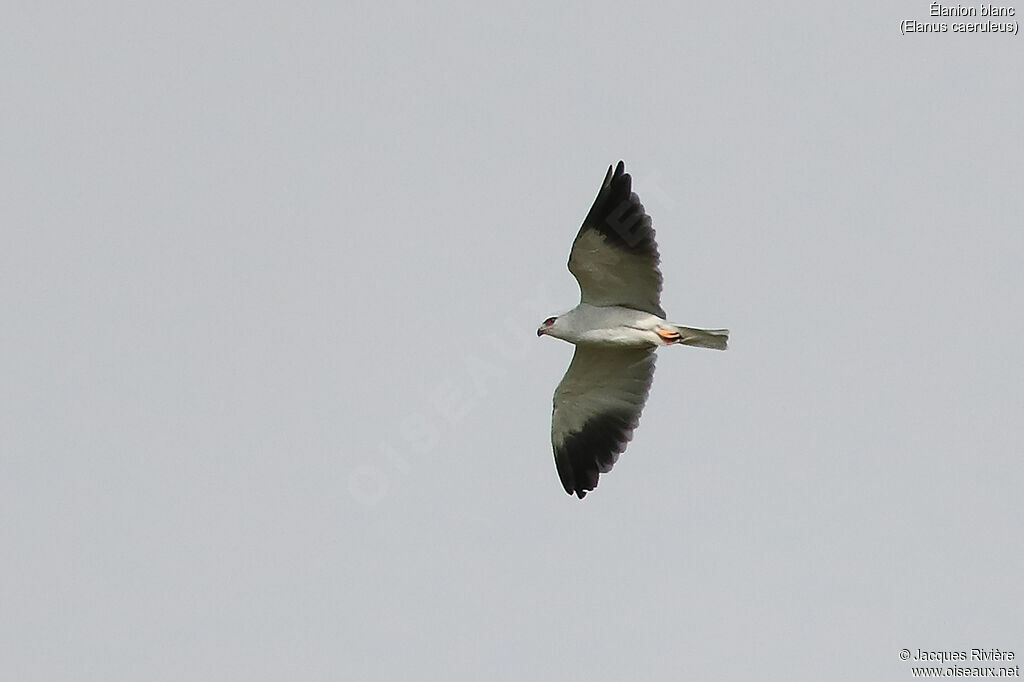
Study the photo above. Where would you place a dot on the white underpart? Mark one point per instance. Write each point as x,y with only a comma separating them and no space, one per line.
608,326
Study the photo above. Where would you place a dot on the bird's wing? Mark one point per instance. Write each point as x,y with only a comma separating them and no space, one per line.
615,257
597,405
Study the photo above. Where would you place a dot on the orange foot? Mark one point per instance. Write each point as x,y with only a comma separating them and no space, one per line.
669,337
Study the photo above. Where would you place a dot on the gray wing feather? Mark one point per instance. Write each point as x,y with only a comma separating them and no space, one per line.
597,406
614,257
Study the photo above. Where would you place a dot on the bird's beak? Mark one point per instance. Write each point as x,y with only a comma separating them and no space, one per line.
540,331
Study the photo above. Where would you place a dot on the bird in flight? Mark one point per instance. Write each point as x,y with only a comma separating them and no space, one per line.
615,328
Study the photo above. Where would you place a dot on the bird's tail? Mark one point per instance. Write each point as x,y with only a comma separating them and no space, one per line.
702,338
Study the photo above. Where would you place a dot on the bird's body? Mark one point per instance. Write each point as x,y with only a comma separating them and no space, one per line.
621,327
615,328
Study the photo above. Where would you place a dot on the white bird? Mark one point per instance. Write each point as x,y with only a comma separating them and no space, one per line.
615,328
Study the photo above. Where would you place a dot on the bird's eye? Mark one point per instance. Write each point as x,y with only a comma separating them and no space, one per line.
550,321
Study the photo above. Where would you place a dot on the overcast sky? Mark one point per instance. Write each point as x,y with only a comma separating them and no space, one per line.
273,406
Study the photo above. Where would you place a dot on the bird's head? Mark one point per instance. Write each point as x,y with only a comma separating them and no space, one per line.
546,326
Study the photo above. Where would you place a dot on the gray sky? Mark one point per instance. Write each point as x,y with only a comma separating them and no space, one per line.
274,407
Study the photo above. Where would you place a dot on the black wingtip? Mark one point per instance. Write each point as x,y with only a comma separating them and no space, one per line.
619,216
615,171
592,451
